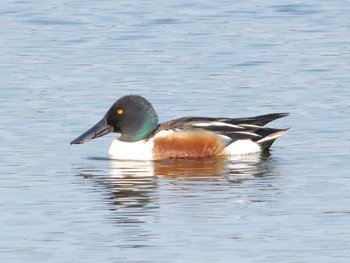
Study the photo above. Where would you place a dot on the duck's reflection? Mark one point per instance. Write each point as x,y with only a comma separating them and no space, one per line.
235,169
190,169
133,186
130,186
240,169
135,193
140,196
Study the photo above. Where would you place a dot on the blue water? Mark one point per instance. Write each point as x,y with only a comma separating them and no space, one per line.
63,63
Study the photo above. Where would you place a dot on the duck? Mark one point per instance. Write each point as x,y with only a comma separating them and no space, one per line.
144,138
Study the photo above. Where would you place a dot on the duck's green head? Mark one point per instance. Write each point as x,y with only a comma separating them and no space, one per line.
132,116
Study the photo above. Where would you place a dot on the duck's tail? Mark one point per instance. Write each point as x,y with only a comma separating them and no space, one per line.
269,136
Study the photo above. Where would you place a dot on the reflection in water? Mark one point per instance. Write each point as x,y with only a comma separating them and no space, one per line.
131,187
190,169
133,184
233,169
249,167
140,194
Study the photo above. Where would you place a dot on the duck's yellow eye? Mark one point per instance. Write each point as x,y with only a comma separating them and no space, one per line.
120,111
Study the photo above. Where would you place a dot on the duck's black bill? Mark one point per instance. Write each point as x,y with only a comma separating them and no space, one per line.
100,129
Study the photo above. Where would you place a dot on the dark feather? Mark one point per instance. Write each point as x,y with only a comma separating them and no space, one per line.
261,120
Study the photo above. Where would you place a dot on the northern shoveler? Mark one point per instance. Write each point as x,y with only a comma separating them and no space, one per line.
143,138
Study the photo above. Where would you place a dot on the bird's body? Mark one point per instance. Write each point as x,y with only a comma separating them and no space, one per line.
188,137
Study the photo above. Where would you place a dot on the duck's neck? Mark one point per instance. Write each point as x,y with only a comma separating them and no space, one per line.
142,129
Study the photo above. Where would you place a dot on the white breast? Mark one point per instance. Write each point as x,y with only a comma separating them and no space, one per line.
140,150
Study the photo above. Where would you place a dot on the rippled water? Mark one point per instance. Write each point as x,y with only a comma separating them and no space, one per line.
65,62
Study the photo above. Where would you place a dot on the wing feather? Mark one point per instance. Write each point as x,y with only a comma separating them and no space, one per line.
228,129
